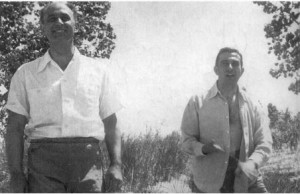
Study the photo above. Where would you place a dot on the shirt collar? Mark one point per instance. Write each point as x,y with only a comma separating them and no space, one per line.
46,59
215,91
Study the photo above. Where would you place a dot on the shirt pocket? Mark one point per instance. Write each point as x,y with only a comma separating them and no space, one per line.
44,105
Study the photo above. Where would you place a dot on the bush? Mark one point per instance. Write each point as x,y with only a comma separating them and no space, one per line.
147,160
4,175
151,159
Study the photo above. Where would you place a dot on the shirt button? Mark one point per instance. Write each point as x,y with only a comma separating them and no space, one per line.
227,117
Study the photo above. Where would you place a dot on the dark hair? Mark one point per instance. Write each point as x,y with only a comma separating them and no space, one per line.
229,50
69,4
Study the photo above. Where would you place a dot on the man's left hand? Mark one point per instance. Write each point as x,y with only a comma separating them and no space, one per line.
113,179
249,169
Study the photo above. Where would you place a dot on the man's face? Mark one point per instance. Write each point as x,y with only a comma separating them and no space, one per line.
229,68
59,23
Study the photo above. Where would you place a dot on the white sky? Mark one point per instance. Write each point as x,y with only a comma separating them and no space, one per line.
165,52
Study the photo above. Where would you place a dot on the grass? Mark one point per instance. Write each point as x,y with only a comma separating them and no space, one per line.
282,173
152,163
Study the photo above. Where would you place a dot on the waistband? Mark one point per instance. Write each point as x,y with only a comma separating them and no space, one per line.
66,140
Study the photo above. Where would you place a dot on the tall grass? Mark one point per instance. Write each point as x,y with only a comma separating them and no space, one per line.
152,163
147,160
150,159
282,173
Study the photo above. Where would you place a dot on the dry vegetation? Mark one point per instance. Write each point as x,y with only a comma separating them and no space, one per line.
152,163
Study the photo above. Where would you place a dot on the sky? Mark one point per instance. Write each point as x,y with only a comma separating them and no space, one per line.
165,53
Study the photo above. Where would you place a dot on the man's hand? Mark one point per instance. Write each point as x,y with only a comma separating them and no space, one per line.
249,169
113,179
18,183
211,147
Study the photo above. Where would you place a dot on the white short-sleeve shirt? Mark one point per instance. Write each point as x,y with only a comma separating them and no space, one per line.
70,103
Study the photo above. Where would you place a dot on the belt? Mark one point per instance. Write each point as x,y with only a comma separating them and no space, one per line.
66,140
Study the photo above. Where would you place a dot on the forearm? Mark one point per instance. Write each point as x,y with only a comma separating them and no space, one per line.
262,143
113,144
190,129
14,140
261,154
113,140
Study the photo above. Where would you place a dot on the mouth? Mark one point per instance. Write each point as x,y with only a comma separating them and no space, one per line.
230,75
58,31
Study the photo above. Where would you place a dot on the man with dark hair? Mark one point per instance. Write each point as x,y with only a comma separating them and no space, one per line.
69,105
225,133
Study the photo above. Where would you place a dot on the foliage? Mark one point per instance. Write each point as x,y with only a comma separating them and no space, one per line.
285,128
147,160
4,178
139,163
284,34
21,40
282,173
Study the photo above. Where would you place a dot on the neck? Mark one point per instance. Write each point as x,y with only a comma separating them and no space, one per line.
227,90
62,54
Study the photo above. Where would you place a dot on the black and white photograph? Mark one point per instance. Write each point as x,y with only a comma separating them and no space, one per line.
149,96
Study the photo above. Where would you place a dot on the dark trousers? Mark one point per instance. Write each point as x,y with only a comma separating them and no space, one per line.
62,165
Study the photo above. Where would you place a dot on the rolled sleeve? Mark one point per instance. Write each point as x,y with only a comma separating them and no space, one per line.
190,129
110,99
262,139
17,97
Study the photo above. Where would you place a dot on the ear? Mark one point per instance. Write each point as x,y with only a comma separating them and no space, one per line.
242,70
216,70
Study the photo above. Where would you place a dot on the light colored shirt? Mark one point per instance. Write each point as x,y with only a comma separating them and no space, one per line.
68,103
206,118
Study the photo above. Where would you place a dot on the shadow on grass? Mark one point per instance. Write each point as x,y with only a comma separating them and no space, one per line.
280,182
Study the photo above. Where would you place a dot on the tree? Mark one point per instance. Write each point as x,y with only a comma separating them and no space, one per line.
21,40
284,34
273,115
285,127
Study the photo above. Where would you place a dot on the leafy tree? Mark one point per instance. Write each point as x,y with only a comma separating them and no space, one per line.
284,34
285,127
273,114
21,40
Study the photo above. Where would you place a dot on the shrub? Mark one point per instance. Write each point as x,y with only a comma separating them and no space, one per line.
150,159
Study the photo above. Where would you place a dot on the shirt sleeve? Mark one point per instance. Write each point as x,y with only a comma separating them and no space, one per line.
109,100
17,97
190,129
262,138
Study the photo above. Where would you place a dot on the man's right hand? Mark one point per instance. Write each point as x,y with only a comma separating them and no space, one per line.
211,147
18,183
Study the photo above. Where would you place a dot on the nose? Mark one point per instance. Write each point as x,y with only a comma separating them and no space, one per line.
230,66
59,20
